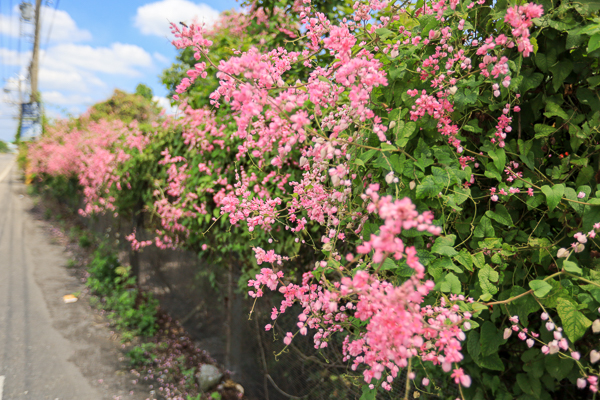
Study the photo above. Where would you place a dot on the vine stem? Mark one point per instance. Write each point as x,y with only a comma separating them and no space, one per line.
408,371
523,294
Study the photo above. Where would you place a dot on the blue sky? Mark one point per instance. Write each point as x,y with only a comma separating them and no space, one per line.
94,47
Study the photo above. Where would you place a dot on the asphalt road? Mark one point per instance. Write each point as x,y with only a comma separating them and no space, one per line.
34,357
37,358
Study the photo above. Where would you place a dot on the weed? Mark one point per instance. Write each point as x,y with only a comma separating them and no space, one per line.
130,310
47,214
142,354
85,241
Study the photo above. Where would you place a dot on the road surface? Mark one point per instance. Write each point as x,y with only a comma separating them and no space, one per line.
48,349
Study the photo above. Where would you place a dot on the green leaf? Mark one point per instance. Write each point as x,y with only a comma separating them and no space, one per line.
366,156
540,288
492,362
484,228
542,131
465,259
530,81
526,155
559,73
368,394
591,214
500,215
541,61
532,387
444,246
499,158
405,132
388,147
559,368
554,110
594,43
446,263
553,195
388,264
429,187
383,32
522,306
490,339
574,322
572,267
585,176
487,275
451,284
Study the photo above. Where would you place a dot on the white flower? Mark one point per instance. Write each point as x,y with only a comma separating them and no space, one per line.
453,90
507,333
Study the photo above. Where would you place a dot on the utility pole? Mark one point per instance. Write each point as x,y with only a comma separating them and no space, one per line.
35,59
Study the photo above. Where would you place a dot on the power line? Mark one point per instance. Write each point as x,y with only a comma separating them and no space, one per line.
9,28
50,30
2,47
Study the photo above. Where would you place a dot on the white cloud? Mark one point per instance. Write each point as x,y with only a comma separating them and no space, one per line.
61,79
160,58
14,58
9,25
64,29
119,58
155,18
55,98
165,103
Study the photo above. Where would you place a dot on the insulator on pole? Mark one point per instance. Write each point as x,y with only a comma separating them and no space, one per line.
26,11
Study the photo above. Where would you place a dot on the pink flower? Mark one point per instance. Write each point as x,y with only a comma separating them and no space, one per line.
460,377
581,383
581,195
288,338
425,382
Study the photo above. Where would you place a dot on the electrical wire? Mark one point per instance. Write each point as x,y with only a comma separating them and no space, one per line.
50,29
3,71
10,19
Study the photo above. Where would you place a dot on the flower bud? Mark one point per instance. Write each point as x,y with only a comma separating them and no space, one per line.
389,178
594,356
562,253
596,326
